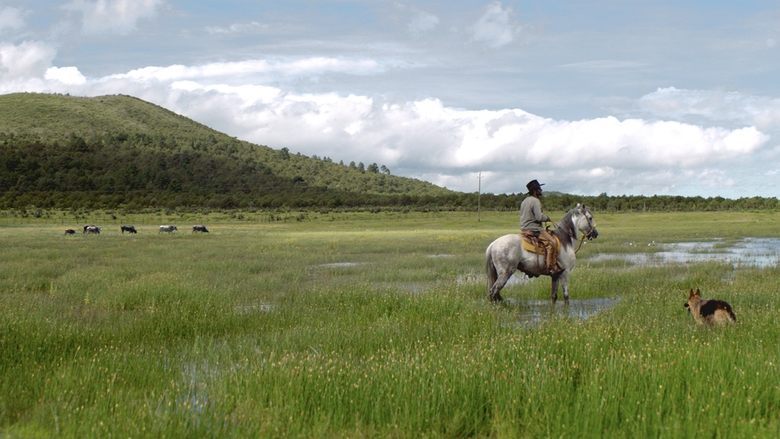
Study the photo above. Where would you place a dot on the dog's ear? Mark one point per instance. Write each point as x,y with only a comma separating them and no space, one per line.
691,293
698,293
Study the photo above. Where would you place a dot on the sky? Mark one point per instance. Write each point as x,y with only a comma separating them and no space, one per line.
624,97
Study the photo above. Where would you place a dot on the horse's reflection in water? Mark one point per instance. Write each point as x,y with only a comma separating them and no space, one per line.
534,312
506,254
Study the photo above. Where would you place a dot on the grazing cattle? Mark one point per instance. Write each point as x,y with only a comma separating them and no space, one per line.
200,228
70,232
128,229
91,229
167,229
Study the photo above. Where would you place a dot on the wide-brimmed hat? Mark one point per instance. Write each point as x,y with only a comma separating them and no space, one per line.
533,184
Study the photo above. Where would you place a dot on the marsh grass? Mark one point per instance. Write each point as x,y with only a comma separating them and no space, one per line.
375,325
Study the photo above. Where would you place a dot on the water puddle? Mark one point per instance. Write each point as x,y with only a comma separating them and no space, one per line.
753,252
253,308
470,278
411,287
340,264
533,312
518,278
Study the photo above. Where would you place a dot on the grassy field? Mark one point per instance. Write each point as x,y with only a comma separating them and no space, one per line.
355,325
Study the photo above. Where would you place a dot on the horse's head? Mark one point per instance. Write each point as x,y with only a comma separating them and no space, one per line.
584,222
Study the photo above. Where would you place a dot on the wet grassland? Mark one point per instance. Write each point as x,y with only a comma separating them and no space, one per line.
354,325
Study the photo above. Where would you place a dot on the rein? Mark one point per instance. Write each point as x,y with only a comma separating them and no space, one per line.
582,241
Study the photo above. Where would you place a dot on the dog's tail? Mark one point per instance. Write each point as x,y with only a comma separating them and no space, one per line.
731,313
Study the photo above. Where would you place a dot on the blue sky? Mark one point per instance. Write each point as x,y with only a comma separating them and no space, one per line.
622,97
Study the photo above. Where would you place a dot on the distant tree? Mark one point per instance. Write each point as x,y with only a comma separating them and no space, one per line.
352,165
284,153
373,168
361,167
384,169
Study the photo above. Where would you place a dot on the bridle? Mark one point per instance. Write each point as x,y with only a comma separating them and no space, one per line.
584,235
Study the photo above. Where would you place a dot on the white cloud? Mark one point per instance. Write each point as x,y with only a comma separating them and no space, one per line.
65,75
28,59
604,65
422,22
237,28
113,16
418,21
11,19
713,105
495,27
306,66
457,140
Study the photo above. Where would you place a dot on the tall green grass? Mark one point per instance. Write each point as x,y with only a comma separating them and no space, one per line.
375,325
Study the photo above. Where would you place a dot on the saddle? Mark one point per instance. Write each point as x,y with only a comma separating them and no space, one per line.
531,243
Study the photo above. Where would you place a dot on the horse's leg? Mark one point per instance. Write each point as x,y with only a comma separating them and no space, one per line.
564,278
554,287
498,285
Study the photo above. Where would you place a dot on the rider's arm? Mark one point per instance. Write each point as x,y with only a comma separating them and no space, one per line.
538,214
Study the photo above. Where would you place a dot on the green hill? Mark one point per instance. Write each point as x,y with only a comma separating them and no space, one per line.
108,151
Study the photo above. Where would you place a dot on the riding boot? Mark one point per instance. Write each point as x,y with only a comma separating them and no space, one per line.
549,261
552,261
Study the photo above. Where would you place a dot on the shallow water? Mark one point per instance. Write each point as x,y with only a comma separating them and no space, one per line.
533,312
754,252
253,308
340,264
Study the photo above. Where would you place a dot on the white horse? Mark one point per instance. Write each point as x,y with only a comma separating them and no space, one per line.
506,254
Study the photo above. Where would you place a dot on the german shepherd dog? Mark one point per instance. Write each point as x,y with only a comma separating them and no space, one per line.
709,312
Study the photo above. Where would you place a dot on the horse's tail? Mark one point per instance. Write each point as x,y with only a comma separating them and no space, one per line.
490,269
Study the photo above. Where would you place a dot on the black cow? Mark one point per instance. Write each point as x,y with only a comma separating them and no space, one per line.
128,229
200,228
70,232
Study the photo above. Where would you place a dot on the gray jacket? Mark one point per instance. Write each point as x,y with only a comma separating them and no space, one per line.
531,215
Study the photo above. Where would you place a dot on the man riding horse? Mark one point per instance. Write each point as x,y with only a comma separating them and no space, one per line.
531,225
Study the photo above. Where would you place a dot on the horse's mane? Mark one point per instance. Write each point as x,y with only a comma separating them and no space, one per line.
565,230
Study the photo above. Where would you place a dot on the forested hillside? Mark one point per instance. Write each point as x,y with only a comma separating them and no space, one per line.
64,151
70,152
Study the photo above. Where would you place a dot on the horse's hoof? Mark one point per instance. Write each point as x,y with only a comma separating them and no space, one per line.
496,299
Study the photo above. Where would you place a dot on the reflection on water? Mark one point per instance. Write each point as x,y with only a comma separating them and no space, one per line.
755,252
533,312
